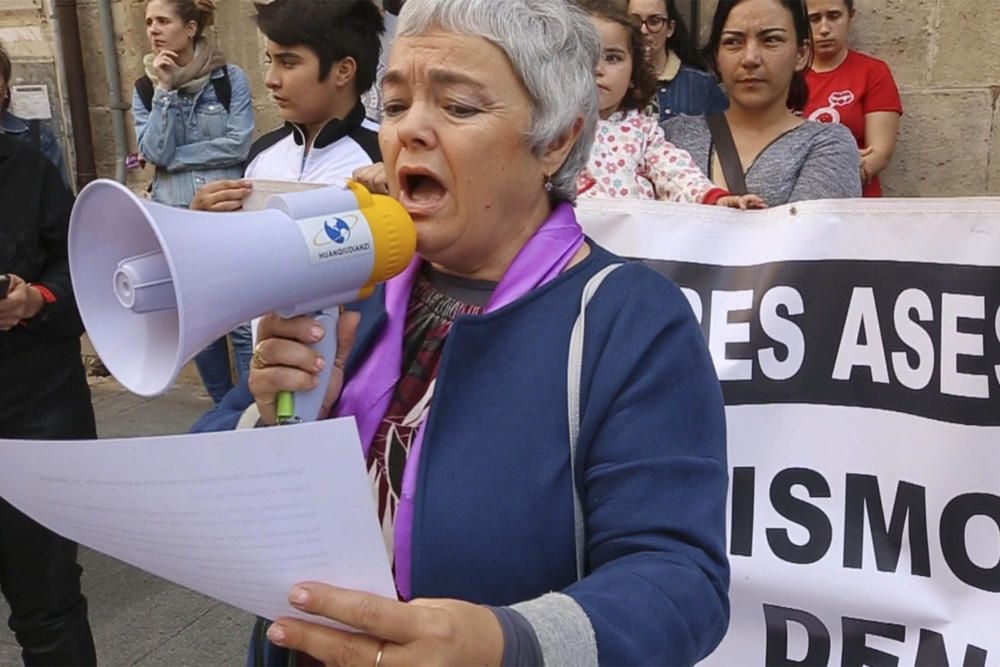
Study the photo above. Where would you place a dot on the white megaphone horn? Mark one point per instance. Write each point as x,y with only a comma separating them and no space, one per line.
156,284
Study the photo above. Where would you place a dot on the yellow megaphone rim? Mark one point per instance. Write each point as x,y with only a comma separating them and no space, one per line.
393,234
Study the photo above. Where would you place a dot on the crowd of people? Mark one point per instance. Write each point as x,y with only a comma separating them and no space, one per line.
531,516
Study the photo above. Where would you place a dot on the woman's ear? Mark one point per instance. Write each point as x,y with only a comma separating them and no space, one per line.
557,150
669,28
191,29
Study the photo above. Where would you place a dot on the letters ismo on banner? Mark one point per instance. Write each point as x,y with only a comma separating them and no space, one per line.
859,351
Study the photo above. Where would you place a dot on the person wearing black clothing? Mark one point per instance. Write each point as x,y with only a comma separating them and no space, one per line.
43,395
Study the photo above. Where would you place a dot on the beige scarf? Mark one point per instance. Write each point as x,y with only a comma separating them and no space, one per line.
192,77
670,68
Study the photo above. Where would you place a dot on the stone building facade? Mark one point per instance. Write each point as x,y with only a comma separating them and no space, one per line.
945,55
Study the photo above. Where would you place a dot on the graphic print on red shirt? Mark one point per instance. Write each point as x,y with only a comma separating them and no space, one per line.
860,85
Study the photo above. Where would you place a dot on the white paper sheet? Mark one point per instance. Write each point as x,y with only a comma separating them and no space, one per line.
240,516
264,189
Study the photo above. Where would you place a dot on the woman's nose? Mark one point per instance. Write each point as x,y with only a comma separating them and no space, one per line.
751,54
415,127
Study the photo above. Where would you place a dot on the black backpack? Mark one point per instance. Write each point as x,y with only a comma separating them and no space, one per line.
223,89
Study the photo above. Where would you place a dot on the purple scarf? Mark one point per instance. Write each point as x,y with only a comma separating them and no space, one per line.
368,394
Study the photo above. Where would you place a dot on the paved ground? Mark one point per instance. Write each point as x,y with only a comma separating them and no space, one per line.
139,619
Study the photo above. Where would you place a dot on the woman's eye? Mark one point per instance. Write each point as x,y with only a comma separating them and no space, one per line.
461,110
390,109
612,58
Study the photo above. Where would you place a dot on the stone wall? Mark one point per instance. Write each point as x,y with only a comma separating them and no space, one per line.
945,55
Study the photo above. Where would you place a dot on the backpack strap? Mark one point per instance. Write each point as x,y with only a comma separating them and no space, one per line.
35,130
573,379
221,84
223,88
144,87
725,147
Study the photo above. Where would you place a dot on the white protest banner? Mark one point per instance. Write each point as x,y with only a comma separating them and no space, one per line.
858,344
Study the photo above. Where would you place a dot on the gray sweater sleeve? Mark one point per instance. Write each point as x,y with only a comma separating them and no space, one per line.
832,168
563,630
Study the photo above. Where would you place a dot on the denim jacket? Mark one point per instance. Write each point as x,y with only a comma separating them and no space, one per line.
192,140
692,93
48,144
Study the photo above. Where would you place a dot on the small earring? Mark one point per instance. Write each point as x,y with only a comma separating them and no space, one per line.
548,183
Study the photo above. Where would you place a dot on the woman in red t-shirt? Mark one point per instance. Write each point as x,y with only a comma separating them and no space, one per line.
852,89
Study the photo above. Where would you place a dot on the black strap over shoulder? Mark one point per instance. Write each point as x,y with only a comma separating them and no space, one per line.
725,147
144,87
35,129
223,90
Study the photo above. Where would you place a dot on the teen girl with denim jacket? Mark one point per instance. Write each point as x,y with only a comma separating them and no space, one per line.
183,128
194,122
192,139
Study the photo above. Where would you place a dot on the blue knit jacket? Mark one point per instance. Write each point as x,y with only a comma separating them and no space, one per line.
493,520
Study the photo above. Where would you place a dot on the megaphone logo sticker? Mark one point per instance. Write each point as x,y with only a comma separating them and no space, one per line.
336,235
337,231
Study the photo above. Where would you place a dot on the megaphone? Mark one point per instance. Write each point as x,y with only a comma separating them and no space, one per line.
156,284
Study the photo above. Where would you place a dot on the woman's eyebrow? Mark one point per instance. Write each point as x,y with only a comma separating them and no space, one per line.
394,77
437,75
447,77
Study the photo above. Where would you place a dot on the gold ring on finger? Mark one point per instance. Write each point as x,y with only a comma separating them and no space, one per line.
258,361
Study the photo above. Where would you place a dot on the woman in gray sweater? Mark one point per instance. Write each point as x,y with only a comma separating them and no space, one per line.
760,49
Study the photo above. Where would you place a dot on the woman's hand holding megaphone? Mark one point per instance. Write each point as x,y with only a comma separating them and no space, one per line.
373,178
284,361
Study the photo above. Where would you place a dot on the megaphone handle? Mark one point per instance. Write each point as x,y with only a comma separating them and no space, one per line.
307,404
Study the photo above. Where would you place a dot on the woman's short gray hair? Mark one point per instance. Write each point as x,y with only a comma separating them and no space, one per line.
554,50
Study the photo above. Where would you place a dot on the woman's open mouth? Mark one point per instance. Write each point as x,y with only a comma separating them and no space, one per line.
421,192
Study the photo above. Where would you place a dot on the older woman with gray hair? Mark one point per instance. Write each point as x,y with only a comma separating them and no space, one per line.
551,488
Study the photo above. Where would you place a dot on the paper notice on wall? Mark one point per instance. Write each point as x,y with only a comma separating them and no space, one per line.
31,101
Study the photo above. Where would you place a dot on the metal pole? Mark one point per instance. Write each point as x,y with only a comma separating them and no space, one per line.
114,87
79,108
